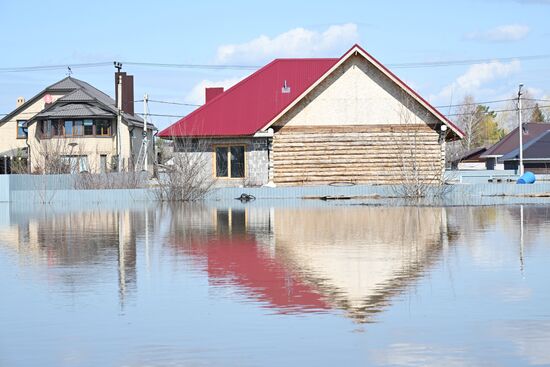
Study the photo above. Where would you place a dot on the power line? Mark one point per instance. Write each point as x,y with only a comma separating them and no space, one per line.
160,115
193,66
169,102
466,61
506,110
477,103
18,69
430,64
536,99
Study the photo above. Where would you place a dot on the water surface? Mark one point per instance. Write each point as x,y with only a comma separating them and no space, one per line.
294,284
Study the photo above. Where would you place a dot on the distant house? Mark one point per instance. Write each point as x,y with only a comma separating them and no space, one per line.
536,155
510,144
316,121
75,121
471,160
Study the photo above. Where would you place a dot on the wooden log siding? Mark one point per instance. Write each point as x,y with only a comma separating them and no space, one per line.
388,154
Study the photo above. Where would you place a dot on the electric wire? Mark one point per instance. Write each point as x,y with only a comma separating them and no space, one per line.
169,102
409,65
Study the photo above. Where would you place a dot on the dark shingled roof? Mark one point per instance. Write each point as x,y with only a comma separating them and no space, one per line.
511,141
75,110
536,149
81,100
65,84
472,155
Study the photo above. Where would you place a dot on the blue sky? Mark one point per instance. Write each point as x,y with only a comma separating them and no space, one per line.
36,33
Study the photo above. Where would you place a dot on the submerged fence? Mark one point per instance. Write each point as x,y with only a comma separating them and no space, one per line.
61,188
65,188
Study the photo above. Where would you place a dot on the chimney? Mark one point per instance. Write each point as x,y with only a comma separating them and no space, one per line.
212,93
127,92
20,101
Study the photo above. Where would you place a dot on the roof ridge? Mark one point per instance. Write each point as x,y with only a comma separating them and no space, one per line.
85,85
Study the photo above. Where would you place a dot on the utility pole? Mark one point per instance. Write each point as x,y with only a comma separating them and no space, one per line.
118,66
145,111
520,131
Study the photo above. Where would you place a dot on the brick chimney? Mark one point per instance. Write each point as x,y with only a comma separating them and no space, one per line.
212,93
20,101
127,92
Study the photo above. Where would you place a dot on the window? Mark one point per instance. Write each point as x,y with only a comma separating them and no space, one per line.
57,126
103,163
21,126
102,127
230,161
68,128
88,127
78,128
221,161
237,161
45,128
75,163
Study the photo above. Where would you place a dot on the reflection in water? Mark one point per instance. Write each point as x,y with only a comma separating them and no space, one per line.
82,244
354,259
275,286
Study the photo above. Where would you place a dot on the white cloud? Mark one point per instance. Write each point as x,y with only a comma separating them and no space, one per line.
197,93
476,77
503,33
298,42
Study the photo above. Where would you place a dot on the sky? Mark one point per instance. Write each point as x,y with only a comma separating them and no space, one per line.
499,33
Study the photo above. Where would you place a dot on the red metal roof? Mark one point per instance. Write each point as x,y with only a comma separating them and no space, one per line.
254,102
241,262
250,104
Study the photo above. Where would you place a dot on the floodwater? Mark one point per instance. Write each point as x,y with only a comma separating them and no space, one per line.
302,284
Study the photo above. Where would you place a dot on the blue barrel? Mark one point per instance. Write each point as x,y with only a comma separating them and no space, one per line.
527,178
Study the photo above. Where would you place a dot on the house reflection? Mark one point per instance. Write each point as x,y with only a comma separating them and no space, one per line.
354,259
79,248
233,246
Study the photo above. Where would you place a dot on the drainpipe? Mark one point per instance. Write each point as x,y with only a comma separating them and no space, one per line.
119,123
26,131
131,136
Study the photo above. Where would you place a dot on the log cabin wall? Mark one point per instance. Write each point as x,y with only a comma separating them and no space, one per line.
357,126
373,154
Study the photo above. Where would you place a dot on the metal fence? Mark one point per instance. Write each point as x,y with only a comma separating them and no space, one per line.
60,189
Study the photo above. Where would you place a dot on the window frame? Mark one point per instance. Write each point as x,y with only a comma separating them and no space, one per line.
57,128
23,135
215,161
109,128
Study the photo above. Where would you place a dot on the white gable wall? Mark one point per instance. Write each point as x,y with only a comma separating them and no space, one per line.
357,93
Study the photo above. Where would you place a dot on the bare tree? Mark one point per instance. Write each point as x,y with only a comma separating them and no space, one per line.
112,180
468,120
186,175
420,169
51,157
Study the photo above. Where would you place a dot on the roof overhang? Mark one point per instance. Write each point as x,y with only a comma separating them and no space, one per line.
358,50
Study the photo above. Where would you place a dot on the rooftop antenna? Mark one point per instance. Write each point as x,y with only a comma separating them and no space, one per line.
118,65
